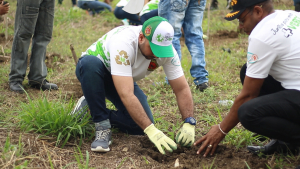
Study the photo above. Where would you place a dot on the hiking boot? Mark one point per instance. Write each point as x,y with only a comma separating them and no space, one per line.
214,5
274,146
44,85
16,86
202,86
102,139
81,108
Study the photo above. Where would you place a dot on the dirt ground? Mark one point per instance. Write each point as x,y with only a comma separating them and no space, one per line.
134,151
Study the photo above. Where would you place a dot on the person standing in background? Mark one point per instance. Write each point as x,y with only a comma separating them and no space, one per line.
188,15
34,21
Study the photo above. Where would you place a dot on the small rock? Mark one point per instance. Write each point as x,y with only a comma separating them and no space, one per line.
176,163
125,149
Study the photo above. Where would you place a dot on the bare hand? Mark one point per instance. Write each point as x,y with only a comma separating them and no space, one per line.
210,141
4,8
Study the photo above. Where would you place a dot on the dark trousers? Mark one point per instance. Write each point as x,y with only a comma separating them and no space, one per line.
149,15
97,85
121,14
275,113
33,23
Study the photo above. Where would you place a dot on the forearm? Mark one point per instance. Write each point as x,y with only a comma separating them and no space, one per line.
136,111
185,103
231,120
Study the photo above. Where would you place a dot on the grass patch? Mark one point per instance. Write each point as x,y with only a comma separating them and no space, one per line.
53,118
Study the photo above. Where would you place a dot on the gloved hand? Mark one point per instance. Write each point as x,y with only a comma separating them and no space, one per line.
186,135
160,139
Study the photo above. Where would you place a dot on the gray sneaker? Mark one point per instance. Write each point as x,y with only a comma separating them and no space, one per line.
81,108
102,140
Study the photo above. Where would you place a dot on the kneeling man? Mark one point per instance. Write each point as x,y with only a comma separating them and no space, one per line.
110,68
269,103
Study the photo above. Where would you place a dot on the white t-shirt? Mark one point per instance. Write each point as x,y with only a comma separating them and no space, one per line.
118,50
274,48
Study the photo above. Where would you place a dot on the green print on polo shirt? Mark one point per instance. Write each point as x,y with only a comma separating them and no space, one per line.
100,51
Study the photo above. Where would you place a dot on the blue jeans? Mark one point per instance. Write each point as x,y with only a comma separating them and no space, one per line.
33,22
94,6
97,84
296,1
189,16
149,15
121,14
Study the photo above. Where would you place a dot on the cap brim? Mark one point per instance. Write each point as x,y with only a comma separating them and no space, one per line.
134,6
234,14
162,51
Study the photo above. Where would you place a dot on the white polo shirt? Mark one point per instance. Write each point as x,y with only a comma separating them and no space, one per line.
119,51
274,48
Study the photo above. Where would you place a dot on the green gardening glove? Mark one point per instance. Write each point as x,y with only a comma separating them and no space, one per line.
186,135
160,139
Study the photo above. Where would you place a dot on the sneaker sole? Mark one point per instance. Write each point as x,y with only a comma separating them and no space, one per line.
100,149
18,91
78,104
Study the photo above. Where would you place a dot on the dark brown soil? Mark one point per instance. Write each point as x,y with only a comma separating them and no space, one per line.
134,151
226,34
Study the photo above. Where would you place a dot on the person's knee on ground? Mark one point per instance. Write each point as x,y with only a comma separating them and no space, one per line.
118,12
246,116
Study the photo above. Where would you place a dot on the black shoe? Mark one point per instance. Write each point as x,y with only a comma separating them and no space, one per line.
274,146
44,85
202,86
214,5
298,167
16,86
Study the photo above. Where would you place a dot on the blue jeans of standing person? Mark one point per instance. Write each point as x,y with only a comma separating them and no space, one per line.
121,14
74,2
34,21
296,2
149,15
97,84
93,6
189,15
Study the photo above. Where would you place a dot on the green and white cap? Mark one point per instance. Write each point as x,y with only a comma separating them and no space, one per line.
160,34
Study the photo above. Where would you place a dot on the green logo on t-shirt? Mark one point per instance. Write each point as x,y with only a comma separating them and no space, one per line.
295,23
